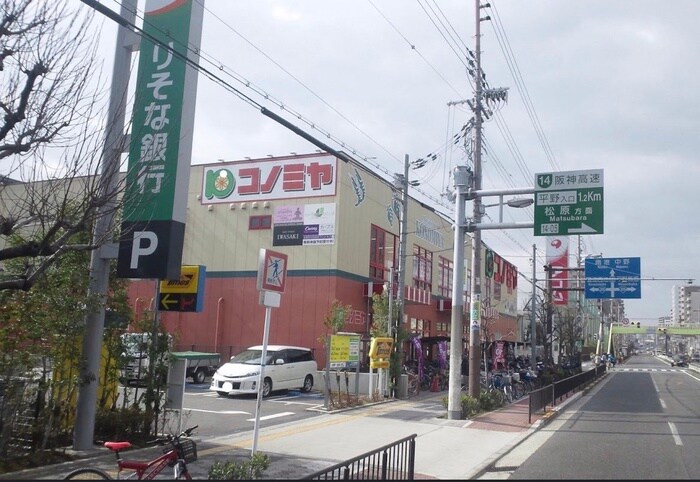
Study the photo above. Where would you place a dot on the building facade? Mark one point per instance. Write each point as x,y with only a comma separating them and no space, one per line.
338,223
685,304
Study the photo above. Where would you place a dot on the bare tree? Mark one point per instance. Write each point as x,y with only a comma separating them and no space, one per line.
569,330
50,136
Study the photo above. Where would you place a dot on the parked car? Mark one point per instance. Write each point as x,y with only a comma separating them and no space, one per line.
285,367
679,360
695,358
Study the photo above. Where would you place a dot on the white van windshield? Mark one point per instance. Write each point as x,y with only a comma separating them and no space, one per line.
252,357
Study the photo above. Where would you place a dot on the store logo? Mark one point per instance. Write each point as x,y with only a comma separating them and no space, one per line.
220,183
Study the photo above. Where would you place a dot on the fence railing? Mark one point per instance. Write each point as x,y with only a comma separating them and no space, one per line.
549,395
395,461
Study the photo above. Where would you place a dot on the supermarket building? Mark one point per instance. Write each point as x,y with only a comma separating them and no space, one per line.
338,223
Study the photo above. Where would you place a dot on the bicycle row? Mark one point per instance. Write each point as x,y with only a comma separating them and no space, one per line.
511,384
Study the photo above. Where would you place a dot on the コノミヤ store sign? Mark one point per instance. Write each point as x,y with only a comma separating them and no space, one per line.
265,180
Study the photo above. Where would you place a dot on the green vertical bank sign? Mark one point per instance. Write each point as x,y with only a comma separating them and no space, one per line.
155,196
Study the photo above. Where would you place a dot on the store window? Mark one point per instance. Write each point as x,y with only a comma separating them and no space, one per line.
383,253
422,268
260,222
445,268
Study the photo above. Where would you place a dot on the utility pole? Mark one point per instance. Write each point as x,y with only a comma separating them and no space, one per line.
475,298
100,259
401,182
468,186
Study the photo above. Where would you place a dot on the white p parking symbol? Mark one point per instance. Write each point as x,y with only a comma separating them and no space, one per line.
145,244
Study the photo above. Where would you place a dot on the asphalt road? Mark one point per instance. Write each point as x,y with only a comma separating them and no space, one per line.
221,416
641,422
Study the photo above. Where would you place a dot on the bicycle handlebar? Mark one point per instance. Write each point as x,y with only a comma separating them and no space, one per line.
168,439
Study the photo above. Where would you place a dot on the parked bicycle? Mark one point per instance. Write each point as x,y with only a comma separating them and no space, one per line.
181,451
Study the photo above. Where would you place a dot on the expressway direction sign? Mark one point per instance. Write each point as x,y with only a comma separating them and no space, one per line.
608,278
569,202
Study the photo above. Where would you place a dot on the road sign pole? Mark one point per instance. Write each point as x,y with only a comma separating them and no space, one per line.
261,380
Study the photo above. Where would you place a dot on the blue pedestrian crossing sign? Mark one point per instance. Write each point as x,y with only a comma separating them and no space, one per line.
612,278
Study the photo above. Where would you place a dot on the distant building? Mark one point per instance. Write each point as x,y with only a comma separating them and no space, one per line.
685,304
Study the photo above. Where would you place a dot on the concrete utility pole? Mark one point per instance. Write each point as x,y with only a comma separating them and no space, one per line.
401,182
475,299
99,263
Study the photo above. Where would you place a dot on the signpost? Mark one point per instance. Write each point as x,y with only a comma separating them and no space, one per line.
272,276
569,202
608,278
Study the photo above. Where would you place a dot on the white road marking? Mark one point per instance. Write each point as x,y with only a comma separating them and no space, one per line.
269,417
223,412
674,432
285,402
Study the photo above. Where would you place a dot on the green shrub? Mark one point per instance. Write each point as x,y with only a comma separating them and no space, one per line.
470,406
236,470
486,402
491,400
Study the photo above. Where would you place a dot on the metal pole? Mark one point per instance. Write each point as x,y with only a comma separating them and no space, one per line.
533,314
99,263
601,329
394,328
475,302
261,379
454,408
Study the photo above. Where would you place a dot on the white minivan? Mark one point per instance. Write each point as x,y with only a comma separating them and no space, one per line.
285,367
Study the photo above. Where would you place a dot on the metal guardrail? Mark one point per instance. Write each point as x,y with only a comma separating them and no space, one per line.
540,398
395,461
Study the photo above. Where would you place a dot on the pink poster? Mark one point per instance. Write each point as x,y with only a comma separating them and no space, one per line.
499,355
557,255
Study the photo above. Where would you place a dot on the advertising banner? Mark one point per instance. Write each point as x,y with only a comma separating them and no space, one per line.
303,225
557,256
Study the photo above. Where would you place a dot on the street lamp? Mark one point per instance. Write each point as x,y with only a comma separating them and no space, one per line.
516,202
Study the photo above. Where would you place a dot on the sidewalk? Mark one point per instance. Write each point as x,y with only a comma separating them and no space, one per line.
445,449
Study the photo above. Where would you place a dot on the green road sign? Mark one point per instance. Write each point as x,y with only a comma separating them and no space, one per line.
569,202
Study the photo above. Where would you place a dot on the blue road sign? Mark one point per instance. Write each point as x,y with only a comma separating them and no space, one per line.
608,278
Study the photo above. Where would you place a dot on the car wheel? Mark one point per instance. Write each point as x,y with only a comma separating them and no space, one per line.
222,394
267,388
199,376
308,384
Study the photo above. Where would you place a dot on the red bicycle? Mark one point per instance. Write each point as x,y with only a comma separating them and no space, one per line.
181,451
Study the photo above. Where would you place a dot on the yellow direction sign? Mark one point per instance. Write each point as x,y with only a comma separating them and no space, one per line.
380,352
185,293
188,283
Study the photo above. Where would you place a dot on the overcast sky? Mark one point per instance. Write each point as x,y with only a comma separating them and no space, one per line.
603,84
